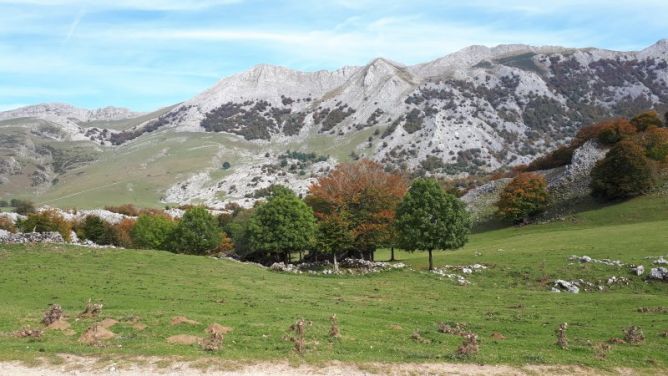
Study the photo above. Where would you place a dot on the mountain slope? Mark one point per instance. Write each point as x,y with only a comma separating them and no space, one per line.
474,110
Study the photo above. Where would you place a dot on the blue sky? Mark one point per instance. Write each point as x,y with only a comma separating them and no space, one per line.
146,54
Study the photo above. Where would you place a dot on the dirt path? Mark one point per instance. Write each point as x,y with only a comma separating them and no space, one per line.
81,366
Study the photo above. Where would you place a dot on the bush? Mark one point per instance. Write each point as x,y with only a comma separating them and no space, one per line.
7,224
46,221
4,204
647,120
196,233
23,207
624,172
151,231
561,156
524,197
607,132
96,230
655,141
122,233
127,209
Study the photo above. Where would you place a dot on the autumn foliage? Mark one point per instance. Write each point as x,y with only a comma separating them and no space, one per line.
362,197
525,196
607,132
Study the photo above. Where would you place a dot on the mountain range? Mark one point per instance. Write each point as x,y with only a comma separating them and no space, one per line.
472,111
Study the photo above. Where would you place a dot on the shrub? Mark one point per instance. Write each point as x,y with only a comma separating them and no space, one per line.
607,132
196,233
4,204
561,156
524,197
96,230
23,207
122,233
127,209
151,231
655,141
7,224
46,221
647,120
624,172
225,245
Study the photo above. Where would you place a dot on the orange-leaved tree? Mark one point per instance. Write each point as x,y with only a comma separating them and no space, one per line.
525,196
362,197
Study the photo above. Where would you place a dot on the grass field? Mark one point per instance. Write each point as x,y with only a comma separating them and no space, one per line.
377,313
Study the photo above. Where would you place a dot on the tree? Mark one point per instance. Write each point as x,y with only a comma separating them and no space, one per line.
46,221
428,218
23,207
196,233
524,197
647,120
236,224
624,172
363,197
334,236
281,225
655,141
607,132
152,231
96,230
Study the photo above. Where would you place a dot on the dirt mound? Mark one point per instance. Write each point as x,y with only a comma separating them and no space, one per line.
218,329
184,339
108,323
176,320
59,325
498,336
95,334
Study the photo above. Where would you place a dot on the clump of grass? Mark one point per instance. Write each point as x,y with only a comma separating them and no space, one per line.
469,345
91,309
28,332
417,337
298,338
334,331
53,314
601,350
634,335
562,340
214,342
458,329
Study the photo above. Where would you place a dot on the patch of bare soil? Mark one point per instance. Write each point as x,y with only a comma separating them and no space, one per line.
95,334
218,329
184,339
174,367
176,320
59,324
108,323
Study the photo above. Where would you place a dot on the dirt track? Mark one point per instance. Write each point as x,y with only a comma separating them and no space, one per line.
155,366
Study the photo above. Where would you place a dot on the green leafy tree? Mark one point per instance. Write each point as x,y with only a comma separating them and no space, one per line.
96,230
152,231
624,172
647,120
524,197
429,219
334,236
196,233
281,225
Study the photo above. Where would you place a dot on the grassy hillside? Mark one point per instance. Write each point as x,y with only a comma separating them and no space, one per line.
377,313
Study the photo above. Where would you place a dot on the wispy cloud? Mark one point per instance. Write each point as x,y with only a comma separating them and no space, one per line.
74,25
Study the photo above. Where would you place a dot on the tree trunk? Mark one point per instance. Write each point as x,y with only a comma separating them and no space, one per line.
287,258
431,261
336,263
392,254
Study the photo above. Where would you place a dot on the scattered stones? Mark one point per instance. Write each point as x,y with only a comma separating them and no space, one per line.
587,259
454,277
348,265
96,333
177,320
561,285
661,261
659,273
638,270
634,335
53,314
184,339
27,332
617,281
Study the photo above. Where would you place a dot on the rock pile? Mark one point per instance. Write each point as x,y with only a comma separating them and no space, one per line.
348,265
30,237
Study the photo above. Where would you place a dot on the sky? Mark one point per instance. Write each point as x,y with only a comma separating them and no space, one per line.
144,54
